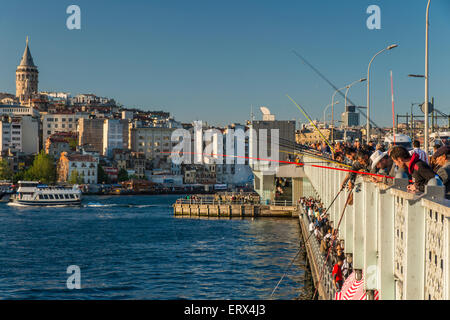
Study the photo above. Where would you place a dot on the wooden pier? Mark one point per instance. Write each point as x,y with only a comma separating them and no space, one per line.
203,208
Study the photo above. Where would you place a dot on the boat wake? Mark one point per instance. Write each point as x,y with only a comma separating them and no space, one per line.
108,205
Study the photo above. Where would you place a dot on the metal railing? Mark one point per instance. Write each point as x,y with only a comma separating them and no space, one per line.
400,240
213,201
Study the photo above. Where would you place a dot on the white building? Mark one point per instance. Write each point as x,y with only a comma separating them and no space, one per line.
17,111
56,96
85,165
20,134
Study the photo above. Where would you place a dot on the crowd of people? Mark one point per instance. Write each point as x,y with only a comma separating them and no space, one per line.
383,165
395,161
225,198
331,247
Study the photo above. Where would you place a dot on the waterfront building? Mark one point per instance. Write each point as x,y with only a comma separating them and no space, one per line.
84,164
112,173
26,77
90,134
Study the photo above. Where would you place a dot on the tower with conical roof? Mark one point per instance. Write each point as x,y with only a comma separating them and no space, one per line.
26,77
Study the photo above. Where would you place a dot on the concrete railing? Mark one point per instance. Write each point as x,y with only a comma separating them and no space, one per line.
400,240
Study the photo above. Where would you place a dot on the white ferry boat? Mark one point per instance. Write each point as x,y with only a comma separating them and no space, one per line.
33,193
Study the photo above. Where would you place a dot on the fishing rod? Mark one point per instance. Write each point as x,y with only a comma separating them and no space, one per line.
333,86
304,244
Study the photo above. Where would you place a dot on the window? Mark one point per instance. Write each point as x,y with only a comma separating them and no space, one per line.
45,196
50,196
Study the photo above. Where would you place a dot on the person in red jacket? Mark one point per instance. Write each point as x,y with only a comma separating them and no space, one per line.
338,279
418,169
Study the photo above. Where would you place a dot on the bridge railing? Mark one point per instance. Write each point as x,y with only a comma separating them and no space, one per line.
400,240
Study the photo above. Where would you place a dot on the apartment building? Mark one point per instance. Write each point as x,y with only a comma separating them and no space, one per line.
60,122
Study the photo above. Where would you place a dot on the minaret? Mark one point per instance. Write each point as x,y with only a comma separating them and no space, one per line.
26,77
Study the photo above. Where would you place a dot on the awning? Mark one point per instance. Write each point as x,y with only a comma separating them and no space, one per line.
354,289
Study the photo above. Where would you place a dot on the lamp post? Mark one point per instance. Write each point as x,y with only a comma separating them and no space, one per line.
368,88
325,110
332,113
427,76
351,85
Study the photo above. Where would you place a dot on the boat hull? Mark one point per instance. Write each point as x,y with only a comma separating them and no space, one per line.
42,203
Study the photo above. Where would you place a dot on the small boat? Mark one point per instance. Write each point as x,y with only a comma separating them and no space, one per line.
32,193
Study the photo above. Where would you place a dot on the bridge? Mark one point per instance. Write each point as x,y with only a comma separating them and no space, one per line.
399,241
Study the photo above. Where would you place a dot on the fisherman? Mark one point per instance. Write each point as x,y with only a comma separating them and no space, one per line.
419,169
360,164
442,160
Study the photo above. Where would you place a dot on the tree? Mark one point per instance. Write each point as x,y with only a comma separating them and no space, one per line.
102,177
75,177
43,169
72,143
5,170
122,175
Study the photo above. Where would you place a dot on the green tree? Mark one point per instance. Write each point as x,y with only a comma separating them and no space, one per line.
75,178
5,170
43,169
72,143
122,175
20,175
102,177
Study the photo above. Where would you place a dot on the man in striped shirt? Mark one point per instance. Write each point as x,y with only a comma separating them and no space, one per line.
422,154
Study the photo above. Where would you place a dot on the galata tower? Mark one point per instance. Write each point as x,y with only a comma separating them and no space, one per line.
26,77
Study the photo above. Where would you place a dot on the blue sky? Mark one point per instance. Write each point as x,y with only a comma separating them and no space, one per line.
211,60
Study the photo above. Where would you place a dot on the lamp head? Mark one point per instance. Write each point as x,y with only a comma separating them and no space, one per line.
392,46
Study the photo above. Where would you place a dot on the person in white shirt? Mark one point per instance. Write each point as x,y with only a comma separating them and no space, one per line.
422,154
311,227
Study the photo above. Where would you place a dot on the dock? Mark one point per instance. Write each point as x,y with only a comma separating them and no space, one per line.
207,206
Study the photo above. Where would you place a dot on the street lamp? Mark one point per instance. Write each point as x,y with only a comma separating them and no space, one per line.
368,88
427,76
349,86
325,110
332,113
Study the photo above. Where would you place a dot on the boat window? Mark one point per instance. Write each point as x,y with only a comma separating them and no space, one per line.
41,197
50,196
45,196
66,196
71,196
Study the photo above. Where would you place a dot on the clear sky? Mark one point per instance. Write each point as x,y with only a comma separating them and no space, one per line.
211,60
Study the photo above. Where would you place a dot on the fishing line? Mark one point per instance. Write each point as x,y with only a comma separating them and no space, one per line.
303,245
